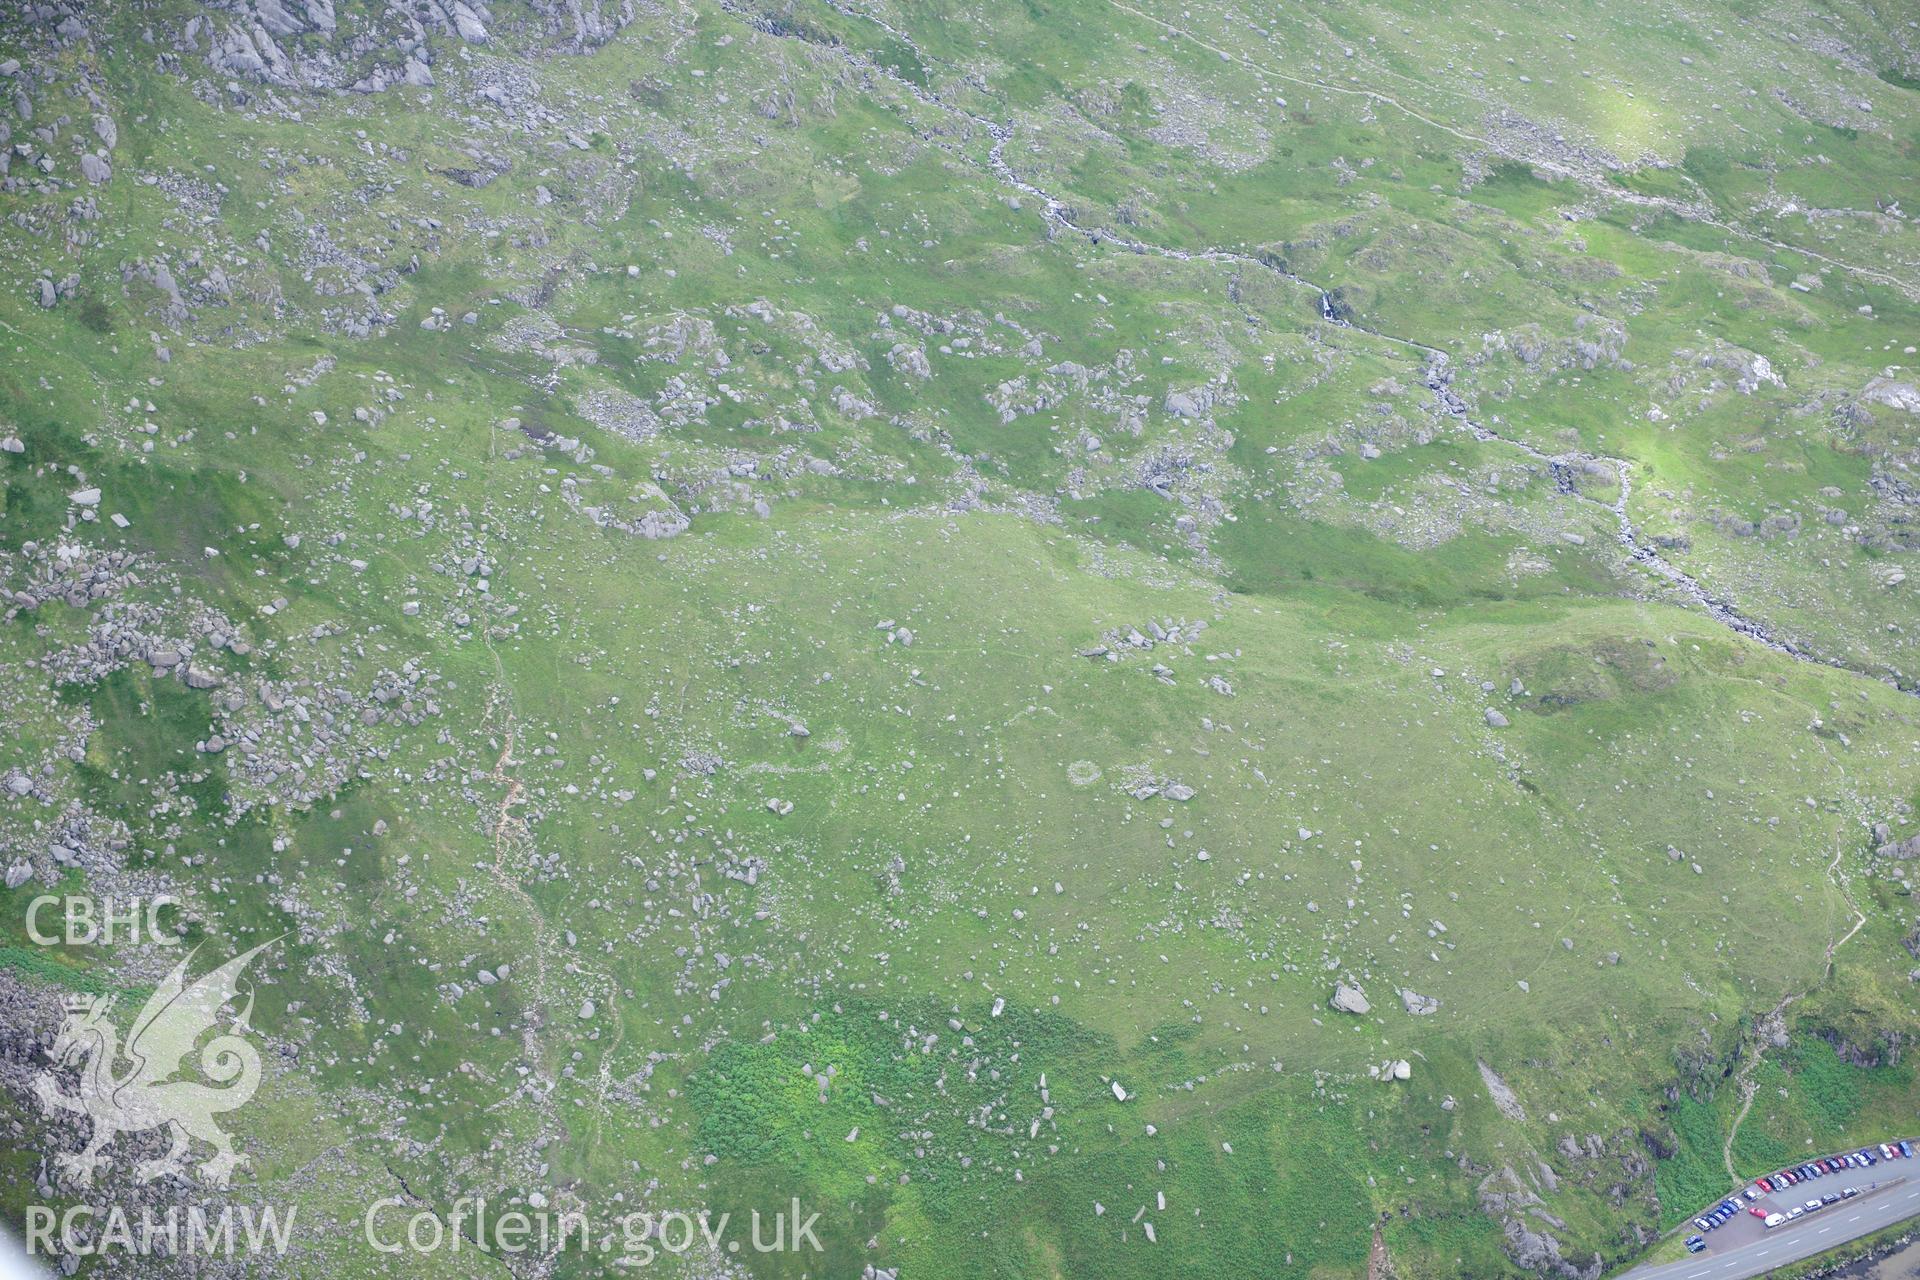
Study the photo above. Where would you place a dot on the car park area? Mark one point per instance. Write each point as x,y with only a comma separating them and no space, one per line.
1788,1200
1743,1248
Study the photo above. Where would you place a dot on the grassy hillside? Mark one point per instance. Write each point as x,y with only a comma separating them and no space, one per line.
875,604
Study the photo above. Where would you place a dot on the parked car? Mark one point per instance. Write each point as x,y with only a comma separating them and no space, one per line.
1757,1212
1832,1197
1774,1220
1811,1206
1906,1148
1702,1223
1848,1193
1695,1244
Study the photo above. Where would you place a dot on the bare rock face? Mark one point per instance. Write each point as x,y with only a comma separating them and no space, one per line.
1348,999
471,24
1502,1094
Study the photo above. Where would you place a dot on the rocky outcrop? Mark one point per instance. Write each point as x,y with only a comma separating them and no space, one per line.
308,45
1904,396
1539,1253
1883,1051
249,52
1901,849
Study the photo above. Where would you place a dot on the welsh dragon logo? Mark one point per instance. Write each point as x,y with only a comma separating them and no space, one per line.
143,1094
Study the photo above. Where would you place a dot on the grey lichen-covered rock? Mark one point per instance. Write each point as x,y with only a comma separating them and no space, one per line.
1417,1004
1348,999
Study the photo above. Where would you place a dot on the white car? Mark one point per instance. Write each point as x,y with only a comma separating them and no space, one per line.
1775,1219
1812,1206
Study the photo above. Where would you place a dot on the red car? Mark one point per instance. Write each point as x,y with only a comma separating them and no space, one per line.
1757,1212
